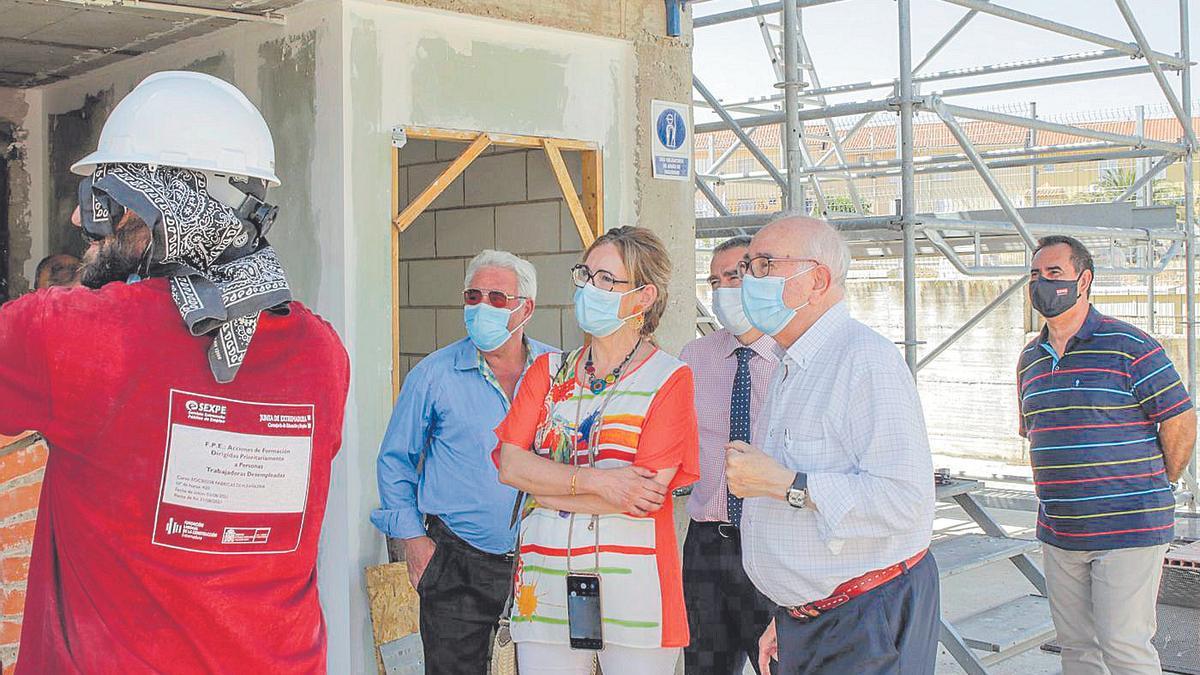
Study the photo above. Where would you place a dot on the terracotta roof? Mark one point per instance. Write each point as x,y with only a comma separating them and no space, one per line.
932,135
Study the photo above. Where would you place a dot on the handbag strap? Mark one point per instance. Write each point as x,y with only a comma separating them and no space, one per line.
516,516
512,576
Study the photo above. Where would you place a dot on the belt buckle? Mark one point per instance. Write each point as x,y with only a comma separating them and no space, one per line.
804,613
727,530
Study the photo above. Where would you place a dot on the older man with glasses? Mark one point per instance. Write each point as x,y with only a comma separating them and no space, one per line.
440,491
839,499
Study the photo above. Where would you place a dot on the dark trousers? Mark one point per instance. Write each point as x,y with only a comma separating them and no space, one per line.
462,595
726,613
891,629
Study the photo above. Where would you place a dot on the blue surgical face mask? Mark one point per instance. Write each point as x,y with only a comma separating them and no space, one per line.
762,300
727,305
598,312
487,326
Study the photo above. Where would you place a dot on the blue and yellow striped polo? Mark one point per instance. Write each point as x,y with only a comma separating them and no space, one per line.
1092,416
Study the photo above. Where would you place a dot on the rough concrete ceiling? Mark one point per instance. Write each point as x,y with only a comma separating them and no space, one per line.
43,42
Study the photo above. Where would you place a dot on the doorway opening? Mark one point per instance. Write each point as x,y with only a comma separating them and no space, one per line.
455,193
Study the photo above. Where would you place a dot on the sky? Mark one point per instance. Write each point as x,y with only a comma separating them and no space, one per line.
856,40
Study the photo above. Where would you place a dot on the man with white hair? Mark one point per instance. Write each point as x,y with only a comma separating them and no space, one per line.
450,510
839,501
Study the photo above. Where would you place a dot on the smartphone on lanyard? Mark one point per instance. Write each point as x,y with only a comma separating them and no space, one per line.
583,611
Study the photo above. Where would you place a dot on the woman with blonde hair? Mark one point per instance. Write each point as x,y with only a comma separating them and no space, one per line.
598,438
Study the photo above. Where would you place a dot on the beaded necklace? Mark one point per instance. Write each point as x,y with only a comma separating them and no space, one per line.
599,384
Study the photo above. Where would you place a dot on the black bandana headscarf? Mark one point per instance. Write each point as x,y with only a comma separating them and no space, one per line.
222,272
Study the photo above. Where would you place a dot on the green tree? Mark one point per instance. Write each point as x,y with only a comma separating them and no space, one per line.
843,204
1114,182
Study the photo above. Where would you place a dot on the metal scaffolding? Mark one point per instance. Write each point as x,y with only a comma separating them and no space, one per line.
958,239
804,101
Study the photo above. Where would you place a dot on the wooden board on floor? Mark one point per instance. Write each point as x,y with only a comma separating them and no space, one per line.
394,604
1185,556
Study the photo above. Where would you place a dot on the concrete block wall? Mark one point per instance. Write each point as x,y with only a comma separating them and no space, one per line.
507,199
22,464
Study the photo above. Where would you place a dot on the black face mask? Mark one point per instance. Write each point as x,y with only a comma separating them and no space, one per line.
1051,297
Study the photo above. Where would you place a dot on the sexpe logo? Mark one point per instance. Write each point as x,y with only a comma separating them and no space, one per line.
206,412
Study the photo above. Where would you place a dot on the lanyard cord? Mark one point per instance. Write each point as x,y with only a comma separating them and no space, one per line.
593,437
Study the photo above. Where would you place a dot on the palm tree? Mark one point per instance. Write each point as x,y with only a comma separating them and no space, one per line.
1114,182
843,204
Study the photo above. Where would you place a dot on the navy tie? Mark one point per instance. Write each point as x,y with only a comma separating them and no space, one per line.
739,419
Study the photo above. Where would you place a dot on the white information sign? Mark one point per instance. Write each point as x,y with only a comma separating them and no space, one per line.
670,142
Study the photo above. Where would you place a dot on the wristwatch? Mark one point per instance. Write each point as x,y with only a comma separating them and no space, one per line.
797,494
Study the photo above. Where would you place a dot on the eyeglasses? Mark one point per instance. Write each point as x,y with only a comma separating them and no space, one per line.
601,279
499,299
761,265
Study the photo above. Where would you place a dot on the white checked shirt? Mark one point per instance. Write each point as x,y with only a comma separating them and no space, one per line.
843,409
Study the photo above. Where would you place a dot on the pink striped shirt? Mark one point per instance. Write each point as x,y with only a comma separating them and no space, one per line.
713,366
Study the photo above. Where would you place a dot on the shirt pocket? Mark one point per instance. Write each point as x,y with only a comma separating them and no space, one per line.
1109,384
809,420
811,445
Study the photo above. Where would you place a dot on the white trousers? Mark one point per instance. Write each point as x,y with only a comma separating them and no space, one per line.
1103,605
536,658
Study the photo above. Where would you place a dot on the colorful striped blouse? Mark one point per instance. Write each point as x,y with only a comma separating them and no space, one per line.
650,421
1092,416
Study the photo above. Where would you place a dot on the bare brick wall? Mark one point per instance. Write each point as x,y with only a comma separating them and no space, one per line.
507,199
22,464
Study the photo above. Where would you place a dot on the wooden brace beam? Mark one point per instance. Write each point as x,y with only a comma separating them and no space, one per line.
511,140
439,184
586,233
395,276
593,189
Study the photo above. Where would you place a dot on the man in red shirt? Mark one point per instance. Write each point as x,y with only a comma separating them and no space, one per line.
192,408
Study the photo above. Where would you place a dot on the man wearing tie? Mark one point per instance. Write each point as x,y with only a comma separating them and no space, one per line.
733,368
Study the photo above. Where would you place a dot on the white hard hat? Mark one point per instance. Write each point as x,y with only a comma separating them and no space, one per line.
187,120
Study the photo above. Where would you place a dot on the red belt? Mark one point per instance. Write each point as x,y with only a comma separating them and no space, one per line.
853,588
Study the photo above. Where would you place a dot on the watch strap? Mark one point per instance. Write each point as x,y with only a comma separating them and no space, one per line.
800,482
797,494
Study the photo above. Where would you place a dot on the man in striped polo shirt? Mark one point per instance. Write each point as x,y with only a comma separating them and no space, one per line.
1110,427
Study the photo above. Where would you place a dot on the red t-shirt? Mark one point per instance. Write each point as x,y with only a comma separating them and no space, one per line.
179,518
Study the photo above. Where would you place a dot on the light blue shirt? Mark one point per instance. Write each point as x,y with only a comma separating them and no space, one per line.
446,413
